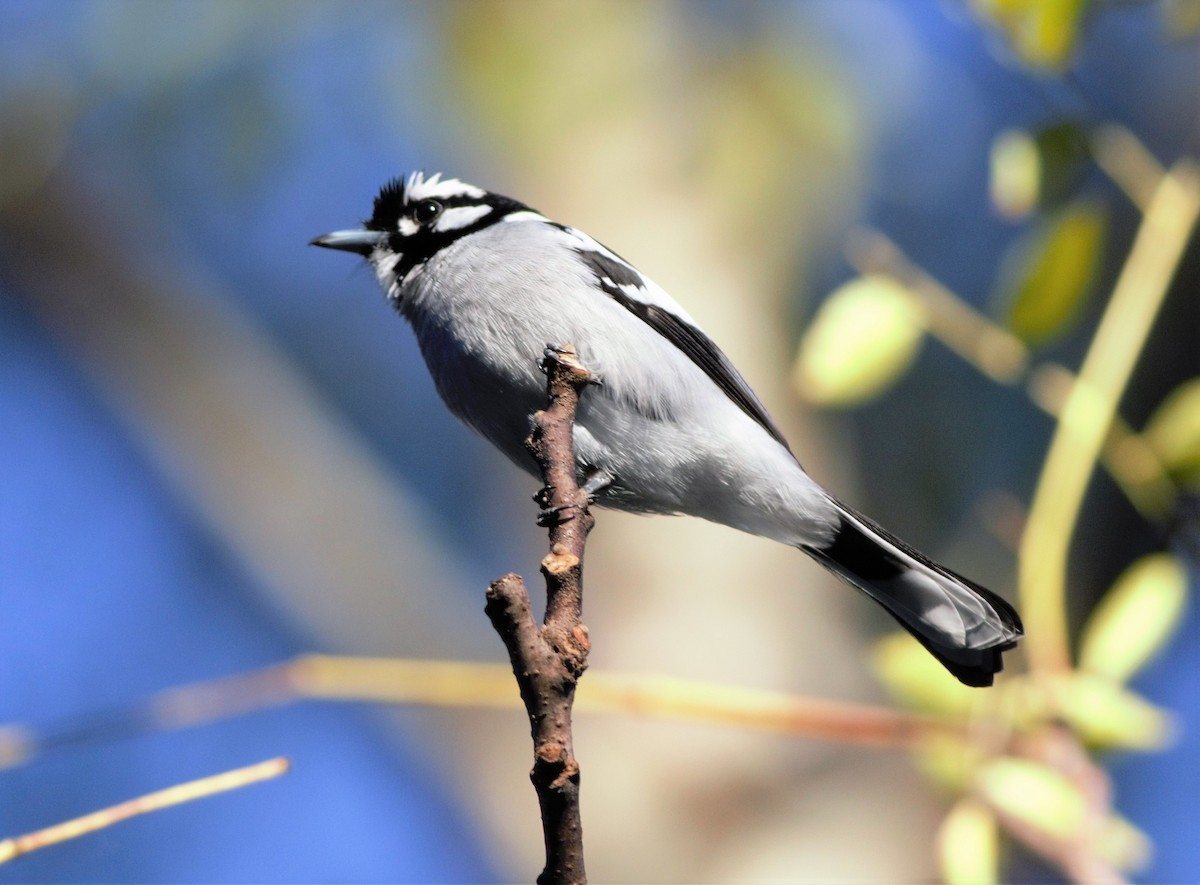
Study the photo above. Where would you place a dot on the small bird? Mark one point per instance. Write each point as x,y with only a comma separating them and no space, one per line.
673,428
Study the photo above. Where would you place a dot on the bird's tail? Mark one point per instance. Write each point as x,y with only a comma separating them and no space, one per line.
963,625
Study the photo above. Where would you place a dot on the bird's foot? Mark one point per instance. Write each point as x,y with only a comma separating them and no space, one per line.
596,480
552,354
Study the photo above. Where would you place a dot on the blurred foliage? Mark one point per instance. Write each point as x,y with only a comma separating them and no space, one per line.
1040,169
918,681
1025,761
1135,619
1049,274
863,338
1034,793
1107,716
1173,431
1042,33
1055,807
969,845
1182,18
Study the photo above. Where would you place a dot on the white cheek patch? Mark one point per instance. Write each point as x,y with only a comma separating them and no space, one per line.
385,270
459,217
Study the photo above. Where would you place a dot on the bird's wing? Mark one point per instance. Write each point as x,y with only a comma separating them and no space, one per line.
626,285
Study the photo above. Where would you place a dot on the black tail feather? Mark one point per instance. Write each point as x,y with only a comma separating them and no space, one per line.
965,626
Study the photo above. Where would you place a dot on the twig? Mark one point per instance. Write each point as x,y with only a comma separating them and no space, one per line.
177,795
549,660
1087,415
992,349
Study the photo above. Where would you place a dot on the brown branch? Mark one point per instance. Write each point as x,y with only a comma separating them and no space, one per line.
549,660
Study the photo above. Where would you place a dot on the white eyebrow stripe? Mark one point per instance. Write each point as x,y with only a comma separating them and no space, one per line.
421,188
458,217
525,215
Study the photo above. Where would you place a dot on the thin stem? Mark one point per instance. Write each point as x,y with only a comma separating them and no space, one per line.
1091,407
991,349
1127,162
177,795
1126,456
469,685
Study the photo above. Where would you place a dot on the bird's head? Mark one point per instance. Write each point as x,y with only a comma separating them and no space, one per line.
416,217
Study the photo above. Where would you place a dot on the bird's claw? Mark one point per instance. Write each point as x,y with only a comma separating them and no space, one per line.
557,515
553,353
595,481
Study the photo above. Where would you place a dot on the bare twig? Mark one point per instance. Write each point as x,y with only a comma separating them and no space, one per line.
549,660
177,795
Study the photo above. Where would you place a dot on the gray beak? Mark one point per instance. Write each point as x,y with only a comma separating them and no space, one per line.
362,242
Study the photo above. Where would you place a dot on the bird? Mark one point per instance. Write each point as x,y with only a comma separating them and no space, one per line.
672,427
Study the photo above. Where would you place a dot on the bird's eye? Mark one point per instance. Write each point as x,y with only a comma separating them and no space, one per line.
426,211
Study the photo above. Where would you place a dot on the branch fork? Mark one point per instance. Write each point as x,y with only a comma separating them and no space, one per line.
548,660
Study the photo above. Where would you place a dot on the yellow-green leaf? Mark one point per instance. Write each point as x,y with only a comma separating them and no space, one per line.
863,338
1121,844
1135,619
1043,33
1182,18
1051,272
1034,794
949,760
917,680
1107,715
1044,799
1032,169
968,845
1173,431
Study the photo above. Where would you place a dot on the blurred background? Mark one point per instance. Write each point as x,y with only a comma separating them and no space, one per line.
220,448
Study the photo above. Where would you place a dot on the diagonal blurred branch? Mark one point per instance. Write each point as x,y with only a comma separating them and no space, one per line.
458,684
151,802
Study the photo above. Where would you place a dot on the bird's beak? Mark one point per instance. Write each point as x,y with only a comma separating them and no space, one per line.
363,242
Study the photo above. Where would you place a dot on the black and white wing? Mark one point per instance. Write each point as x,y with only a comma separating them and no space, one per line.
626,285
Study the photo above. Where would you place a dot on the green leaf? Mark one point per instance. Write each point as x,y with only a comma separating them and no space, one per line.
1051,272
1035,795
1043,33
968,845
1173,431
863,338
1107,715
1135,619
1037,169
915,678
